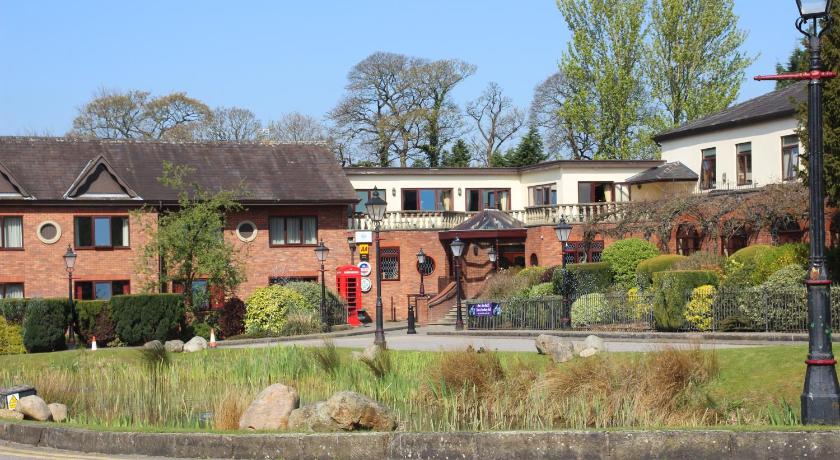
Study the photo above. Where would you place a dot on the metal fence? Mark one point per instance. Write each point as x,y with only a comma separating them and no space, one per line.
336,311
745,310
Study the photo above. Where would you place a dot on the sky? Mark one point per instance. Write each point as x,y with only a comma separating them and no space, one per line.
274,57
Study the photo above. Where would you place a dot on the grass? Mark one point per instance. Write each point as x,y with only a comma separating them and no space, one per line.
431,391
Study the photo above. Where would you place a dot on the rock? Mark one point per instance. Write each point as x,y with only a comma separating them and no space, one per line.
562,352
578,347
312,418
174,346
352,411
593,341
152,344
196,343
58,411
544,342
34,408
10,414
589,352
271,408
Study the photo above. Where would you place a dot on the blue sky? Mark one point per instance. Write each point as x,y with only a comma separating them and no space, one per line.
275,57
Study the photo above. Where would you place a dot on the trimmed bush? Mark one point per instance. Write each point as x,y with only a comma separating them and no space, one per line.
95,320
671,293
780,302
13,310
45,324
749,253
145,317
583,279
702,260
541,290
589,310
646,268
698,311
624,256
266,308
778,257
533,274
200,329
232,317
11,338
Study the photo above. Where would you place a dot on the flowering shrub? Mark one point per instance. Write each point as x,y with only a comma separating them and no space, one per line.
698,311
638,304
624,256
266,308
589,310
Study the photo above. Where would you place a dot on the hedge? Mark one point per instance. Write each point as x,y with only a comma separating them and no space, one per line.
11,338
141,318
749,253
583,279
672,290
646,268
624,256
45,324
95,320
13,310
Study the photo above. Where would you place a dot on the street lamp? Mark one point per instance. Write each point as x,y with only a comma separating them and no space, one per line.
351,243
492,256
321,252
563,230
375,208
69,265
457,247
813,9
412,312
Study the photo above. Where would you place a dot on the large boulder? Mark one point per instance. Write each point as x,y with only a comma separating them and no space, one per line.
593,341
9,414
271,408
312,418
196,343
589,352
545,342
174,346
34,408
344,411
562,352
58,412
152,344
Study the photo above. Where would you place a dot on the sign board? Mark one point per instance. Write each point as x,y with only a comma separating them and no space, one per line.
364,236
12,401
364,257
485,309
365,268
364,249
366,285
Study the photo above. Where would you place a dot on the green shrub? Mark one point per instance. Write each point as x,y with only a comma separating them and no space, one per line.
671,292
232,318
770,261
11,338
45,324
548,274
301,323
200,329
638,304
698,311
583,279
624,256
504,284
702,260
13,310
646,268
780,302
533,274
589,310
141,318
749,253
266,308
541,290
311,292
95,320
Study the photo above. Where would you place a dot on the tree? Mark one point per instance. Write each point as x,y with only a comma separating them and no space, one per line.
230,124
187,241
695,64
529,151
604,65
799,61
137,115
496,120
296,128
459,157
560,134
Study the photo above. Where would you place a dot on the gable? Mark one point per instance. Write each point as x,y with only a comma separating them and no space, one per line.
9,187
100,181
6,186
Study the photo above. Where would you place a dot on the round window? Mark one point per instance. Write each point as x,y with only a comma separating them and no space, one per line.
49,232
427,267
246,231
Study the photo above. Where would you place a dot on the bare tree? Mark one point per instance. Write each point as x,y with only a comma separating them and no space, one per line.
296,128
496,119
135,115
230,124
559,134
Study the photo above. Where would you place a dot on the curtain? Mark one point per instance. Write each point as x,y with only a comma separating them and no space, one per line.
310,230
14,291
277,230
504,200
293,230
13,232
125,232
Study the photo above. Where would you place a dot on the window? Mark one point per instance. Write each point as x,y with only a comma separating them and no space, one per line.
596,192
101,232
534,260
49,232
364,196
708,167
284,231
202,292
11,291
246,231
744,159
100,290
427,267
11,232
480,198
427,199
790,157
543,195
390,264
688,239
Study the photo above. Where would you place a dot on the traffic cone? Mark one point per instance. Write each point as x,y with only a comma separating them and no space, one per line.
212,338
93,343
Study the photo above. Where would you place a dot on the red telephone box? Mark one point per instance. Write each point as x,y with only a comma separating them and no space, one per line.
349,281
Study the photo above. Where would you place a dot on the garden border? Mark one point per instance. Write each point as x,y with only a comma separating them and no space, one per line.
364,330
694,445
654,336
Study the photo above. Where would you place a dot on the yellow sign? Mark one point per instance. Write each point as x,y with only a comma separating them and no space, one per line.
12,401
364,249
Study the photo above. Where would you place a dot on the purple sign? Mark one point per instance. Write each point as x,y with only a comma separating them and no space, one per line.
485,309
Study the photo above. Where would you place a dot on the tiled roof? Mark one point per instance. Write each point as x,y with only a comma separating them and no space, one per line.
489,219
776,104
279,173
669,172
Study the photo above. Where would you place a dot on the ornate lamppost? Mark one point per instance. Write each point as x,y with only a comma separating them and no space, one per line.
457,247
563,230
69,265
412,311
493,256
375,208
321,252
351,243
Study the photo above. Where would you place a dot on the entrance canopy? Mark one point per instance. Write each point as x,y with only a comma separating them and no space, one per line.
489,223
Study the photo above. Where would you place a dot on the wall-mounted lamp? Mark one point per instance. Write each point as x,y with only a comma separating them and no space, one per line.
459,191
393,191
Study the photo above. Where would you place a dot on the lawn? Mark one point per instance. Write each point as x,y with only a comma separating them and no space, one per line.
434,391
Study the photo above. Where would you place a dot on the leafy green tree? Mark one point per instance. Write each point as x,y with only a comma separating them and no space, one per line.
604,65
798,61
529,151
459,157
695,64
499,159
187,242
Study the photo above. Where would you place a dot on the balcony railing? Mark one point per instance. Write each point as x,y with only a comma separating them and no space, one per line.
445,220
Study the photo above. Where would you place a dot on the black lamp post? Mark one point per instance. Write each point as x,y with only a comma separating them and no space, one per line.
412,312
563,230
351,243
321,252
375,208
492,256
821,394
457,247
69,265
